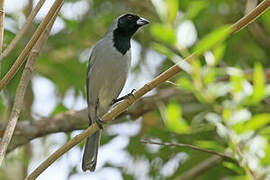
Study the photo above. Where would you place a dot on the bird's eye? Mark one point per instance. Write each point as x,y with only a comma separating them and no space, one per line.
129,17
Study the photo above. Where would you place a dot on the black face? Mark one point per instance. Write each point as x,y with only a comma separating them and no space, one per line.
127,25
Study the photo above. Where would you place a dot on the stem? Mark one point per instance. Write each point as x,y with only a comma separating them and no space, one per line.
25,79
19,61
22,30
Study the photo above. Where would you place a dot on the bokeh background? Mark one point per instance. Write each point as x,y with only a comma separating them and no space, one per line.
219,102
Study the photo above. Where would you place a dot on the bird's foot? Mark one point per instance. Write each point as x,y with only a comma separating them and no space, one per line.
100,122
124,97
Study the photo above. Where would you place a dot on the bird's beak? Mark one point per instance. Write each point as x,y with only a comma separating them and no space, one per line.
142,21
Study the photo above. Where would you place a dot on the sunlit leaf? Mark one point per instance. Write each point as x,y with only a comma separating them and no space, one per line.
266,159
217,36
258,81
233,167
163,33
209,145
185,83
172,9
256,122
218,52
195,8
174,119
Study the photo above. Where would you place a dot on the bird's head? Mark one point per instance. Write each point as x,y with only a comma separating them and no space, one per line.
128,24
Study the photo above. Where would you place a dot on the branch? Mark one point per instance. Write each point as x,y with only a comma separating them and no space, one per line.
222,155
2,16
22,30
118,109
25,79
71,120
200,168
19,61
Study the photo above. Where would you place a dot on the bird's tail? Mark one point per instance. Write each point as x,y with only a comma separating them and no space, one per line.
91,151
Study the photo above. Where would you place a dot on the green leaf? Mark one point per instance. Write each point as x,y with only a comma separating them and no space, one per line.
172,9
212,39
174,120
218,52
185,83
209,145
163,33
266,159
162,49
195,8
259,90
233,167
256,122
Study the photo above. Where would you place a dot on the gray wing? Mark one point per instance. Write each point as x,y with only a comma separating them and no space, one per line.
91,61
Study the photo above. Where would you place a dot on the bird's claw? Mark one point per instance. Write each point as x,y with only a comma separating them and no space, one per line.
100,122
124,97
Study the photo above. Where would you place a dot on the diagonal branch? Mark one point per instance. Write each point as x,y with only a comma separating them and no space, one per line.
2,16
19,61
22,30
25,79
222,155
117,110
200,168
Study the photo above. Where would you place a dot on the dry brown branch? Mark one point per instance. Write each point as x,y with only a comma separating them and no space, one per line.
117,110
2,16
25,79
222,155
22,30
71,120
19,61
200,168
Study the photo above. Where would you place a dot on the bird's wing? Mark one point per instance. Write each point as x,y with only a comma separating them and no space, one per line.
91,62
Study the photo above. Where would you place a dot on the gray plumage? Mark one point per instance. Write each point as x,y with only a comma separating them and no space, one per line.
107,72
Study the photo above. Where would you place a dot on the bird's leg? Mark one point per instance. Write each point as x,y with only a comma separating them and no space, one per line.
124,97
98,120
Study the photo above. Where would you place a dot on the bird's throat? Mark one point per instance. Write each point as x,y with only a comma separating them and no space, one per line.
121,41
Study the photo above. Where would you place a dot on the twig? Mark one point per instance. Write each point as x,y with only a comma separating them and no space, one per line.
200,168
187,146
25,79
121,107
19,61
22,30
2,16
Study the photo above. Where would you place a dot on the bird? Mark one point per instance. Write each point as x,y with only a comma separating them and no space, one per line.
107,72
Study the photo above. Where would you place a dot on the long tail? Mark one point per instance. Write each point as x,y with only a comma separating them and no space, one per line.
91,151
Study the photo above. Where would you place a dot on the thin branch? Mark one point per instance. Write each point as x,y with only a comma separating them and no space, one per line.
22,30
121,107
2,16
25,79
222,155
19,61
72,120
200,168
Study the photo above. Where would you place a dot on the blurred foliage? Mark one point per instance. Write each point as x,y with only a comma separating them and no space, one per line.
235,119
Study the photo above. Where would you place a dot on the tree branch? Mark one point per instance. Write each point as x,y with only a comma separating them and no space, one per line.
200,168
22,30
71,120
222,155
118,109
2,17
25,79
19,61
